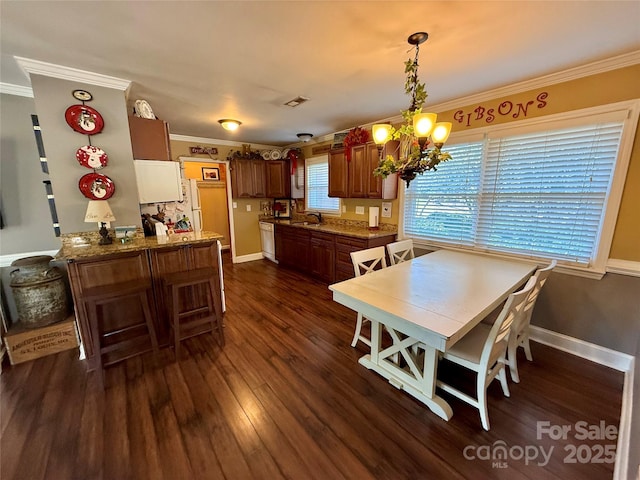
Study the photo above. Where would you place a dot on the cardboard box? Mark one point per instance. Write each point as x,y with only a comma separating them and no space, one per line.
28,344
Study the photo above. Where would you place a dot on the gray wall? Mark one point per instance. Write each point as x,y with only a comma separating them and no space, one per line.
25,209
605,312
52,98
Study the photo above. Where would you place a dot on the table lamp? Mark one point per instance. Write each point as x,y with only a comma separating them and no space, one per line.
99,211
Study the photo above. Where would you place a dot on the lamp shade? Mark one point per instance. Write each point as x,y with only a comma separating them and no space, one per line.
423,124
229,124
305,137
99,211
381,133
441,132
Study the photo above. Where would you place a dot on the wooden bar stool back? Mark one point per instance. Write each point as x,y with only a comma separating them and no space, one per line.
129,340
194,306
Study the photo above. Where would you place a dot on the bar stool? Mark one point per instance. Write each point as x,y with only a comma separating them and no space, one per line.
199,305
96,299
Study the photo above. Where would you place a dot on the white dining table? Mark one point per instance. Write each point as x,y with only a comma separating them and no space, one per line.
426,305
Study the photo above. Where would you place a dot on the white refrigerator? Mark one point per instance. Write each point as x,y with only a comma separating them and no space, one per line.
191,206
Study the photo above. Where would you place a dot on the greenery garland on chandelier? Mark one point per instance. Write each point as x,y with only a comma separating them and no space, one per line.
414,157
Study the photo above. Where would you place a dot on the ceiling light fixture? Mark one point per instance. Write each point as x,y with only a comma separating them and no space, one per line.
414,157
305,137
229,124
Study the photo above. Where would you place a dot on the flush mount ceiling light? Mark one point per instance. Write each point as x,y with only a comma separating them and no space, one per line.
296,101
305,137
229,124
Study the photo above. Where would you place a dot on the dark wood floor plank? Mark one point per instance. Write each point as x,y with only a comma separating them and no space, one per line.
285,398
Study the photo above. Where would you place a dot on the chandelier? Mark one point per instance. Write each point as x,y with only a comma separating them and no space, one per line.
419,131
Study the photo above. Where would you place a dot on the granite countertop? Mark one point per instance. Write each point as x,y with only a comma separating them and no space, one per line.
85,245
338,227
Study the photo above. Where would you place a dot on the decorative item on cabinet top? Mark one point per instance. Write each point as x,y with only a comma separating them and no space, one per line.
142,109
96,186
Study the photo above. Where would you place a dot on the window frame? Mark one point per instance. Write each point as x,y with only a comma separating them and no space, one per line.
614,196
322,158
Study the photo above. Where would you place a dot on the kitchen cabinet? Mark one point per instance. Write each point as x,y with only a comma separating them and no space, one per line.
292,247
147,266
149,139
278,179
248,178
158,181
355,179
322,255
338,174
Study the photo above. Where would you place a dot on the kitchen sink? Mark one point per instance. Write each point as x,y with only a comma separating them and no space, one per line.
307,224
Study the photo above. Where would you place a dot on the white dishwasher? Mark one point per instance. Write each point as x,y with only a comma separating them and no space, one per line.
267,238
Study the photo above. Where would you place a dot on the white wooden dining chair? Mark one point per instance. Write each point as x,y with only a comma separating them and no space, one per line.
400,251
364,262
484,350
519,336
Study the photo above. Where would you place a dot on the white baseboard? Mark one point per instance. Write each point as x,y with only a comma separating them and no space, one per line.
590,351
610,358
248,258
623,267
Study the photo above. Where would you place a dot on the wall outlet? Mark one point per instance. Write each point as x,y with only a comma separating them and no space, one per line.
360,210
235,204
248,208
344,209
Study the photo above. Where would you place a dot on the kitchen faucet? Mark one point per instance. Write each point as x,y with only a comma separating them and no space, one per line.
317,215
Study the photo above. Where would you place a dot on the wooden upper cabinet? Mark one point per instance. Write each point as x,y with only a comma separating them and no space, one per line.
357,176
278,179
355,179
149,139
248,178
338,174
377,187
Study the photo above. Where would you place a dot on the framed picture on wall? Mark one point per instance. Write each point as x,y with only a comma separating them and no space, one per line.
282,208
211,173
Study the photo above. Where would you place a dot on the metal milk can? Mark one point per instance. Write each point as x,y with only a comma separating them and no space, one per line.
39,291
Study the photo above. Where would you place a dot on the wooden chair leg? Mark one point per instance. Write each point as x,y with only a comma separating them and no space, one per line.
502,376
356,335
216,306
146,311
527,347
482,401
512,355
175,318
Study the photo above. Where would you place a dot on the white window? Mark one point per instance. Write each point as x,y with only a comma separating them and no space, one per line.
540,190
317,186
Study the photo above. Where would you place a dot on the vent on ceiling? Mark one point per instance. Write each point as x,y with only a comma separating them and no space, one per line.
296,101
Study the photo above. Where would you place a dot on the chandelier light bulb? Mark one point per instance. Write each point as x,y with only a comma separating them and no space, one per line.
229,124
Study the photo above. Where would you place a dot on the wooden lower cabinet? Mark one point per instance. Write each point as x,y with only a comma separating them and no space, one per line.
292,247
322,255
148,266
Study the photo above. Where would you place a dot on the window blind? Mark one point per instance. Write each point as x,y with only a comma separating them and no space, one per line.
443,205
317,186
540,193
544,193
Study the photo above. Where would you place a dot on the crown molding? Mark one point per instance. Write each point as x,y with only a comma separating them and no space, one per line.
37,67
215,141
19,90
594,68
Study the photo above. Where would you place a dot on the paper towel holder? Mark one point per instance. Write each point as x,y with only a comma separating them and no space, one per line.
374,218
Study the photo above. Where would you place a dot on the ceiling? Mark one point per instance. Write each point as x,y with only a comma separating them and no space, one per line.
198,62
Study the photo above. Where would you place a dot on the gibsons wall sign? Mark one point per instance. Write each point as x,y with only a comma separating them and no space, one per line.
504,109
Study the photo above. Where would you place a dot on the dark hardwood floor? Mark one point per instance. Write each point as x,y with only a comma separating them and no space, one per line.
286,398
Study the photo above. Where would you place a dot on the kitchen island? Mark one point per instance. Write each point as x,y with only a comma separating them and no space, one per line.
140,259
